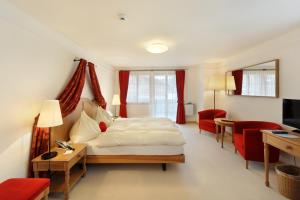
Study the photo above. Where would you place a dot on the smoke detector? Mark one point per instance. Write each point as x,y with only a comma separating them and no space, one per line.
122,17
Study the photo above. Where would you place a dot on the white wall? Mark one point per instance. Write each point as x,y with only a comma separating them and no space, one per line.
35,64
286,48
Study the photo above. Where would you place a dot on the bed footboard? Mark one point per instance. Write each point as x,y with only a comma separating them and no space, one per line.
95,159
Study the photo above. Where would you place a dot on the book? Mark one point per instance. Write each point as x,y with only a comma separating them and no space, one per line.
284,134
279,132
227,120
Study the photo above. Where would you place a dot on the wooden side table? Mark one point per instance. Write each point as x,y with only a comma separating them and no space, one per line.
221,123
63,163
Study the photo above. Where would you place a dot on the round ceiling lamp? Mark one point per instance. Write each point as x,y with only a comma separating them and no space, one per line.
157,48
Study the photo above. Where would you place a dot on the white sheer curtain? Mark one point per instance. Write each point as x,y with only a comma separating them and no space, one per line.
154,89
139,87
259,82
164,95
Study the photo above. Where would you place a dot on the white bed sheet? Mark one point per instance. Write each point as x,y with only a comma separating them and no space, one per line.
141,132
93,149
138,136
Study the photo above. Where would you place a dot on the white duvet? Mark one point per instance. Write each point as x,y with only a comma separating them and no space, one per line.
141,131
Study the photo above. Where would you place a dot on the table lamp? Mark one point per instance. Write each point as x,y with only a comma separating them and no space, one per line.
50,116
116,102
215,83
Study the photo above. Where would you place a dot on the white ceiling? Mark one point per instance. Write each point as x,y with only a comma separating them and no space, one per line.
196,31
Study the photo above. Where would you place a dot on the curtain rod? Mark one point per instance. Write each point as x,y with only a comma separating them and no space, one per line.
259,69
76,60
152,70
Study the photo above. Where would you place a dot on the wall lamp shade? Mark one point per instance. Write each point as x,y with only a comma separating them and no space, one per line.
230,83
50,114
116,100
216,83
157,48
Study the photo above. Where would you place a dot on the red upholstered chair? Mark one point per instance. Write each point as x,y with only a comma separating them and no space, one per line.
248,140
206,119
25,189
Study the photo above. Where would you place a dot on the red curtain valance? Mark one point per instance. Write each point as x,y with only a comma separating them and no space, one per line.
68,99
95,86
70,96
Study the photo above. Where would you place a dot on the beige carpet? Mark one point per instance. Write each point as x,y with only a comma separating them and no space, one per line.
210,173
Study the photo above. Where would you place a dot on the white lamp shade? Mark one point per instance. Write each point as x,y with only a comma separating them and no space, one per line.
216,82
230,83
50,115
116,100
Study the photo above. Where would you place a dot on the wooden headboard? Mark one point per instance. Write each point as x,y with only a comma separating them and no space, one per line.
62,132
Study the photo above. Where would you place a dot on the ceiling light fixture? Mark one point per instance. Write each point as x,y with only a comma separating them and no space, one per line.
157,48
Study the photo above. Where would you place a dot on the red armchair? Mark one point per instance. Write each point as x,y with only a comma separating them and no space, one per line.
206,119
25,189
248,140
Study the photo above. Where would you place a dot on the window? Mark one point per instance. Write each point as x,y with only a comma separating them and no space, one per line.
138,88
157,89
165,95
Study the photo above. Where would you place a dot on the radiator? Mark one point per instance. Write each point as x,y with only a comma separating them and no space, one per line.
189,109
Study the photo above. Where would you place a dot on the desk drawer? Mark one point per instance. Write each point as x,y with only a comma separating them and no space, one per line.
44,166
76,158
284,146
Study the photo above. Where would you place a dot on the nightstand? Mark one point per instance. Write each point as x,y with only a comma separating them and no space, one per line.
66,173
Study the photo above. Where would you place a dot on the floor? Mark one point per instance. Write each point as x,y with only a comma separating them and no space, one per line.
210,173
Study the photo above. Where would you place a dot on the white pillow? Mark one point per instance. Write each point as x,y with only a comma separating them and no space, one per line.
84,129
103,116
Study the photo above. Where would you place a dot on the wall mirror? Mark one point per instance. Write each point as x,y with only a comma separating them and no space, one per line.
260,80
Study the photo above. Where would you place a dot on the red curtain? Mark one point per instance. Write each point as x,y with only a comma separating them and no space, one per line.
238,78
123,82
95,86
70,96
68,100
180,76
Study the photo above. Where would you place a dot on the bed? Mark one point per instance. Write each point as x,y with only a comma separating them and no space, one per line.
124,141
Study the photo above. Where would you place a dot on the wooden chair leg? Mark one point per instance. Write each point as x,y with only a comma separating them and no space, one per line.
235,150
247,164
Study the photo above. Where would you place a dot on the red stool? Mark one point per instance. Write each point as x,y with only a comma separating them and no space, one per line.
25,189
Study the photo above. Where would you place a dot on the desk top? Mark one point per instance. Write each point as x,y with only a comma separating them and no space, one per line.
293,141
224,121
61,157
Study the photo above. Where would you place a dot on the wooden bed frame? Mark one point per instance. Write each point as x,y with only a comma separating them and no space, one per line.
62,133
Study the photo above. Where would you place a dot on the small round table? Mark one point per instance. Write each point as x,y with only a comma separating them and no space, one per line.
221,123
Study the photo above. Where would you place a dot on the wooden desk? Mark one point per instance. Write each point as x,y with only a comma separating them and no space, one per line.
63,163
288,145
221,123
